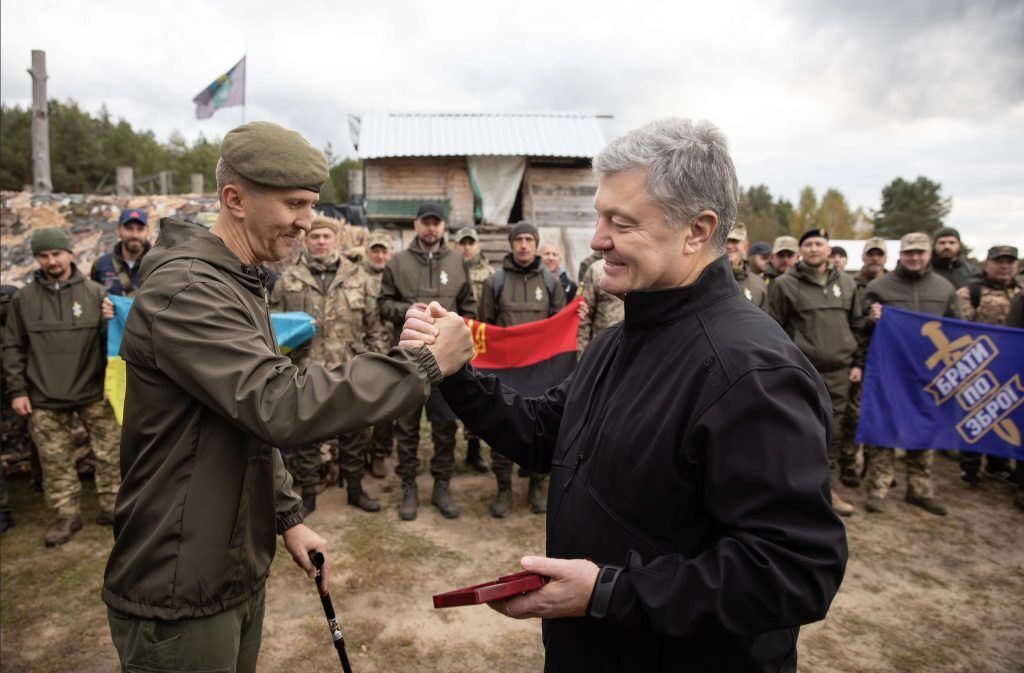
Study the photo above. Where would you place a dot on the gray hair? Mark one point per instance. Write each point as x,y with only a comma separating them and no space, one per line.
229,176
688,170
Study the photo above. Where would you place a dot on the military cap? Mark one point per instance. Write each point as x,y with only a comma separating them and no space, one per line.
466,232
875,243
51,238
738,232
324,222
839,250
817,232
915,241
274,156
380,237
761,248
785,244
430,209
997,251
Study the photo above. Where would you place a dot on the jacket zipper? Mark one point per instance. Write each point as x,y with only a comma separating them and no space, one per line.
430,268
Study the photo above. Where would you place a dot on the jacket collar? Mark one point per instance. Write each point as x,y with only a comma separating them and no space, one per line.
658,307
803,272
512,265
117,252
44,281
417,249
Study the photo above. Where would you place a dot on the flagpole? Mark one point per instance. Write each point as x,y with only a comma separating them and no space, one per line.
245,57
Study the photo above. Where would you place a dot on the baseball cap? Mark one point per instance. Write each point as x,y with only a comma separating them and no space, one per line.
466,232
875,243
997,251
761,248
430,209
381,238
785,244
915,241
839,250
738,232
130,214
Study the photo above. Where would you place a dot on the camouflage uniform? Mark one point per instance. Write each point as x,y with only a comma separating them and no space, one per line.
353,238
479,271
51,432
604,309
342,298
987,303
382,440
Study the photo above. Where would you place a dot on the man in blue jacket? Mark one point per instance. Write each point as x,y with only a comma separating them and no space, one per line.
690,524
118,271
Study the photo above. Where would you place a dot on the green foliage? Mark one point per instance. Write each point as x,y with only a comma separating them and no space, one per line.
767,217
834,215
336,188
85,151
764,216
806,214
911,206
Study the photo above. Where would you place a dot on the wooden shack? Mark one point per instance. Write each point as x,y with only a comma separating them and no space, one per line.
485,169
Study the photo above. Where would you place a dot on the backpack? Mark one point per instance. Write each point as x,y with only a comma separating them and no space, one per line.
498,283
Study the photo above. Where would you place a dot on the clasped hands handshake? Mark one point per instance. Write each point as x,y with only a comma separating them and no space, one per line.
444,334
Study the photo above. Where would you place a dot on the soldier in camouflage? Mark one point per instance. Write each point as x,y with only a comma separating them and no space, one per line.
785,254
987,300
600,310
342,298
479,270
380,247
53,351
750,284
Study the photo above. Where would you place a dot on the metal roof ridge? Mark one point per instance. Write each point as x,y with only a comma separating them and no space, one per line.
484,113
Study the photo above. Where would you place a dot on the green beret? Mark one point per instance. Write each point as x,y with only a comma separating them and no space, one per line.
51,238
271,155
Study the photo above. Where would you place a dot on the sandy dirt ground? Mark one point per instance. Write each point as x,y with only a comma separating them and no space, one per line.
922,593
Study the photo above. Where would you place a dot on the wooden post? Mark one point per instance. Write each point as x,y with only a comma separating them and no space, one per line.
125,181
197,183
41,181
355,182
165,182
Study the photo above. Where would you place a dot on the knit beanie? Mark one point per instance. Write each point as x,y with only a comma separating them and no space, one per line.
51,238
946,231
524,228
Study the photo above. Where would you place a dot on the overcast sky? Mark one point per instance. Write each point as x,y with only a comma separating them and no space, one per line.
846,95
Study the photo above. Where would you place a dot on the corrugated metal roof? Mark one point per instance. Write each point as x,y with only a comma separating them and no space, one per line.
433,134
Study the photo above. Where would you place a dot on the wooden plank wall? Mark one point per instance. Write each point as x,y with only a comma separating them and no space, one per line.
562,197
423,178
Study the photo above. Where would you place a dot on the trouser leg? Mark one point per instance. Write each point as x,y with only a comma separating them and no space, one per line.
970,462
51,432
501,466
305,463
407,439
838,385
848,444
880,469
352,449
383,440
105,439
228,641
919,473
442,463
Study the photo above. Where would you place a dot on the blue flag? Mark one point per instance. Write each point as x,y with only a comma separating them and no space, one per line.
939,383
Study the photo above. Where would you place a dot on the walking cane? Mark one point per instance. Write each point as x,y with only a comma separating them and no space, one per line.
332,622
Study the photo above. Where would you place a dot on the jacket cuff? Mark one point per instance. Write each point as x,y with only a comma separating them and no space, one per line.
288,520
604,587
428,365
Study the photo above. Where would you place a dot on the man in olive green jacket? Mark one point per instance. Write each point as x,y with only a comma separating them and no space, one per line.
54,359
821,309
522,291
751,285
209,397
480,269
916,287
428,270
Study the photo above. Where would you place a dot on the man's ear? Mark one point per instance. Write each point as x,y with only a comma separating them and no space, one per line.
701,231
232,198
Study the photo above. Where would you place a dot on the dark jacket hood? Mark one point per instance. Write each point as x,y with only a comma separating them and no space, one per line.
417,249
511,264
180,239
76,277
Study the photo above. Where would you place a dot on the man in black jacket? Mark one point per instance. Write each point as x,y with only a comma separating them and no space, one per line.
689,524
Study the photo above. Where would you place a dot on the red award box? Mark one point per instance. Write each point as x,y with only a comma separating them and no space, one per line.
504,587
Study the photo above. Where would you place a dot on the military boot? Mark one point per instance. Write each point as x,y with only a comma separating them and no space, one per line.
848,476
410,501
537,496
357,497
6,521
62,531
930,505
841,507
502,500
473,457
377,468
442,500
308,501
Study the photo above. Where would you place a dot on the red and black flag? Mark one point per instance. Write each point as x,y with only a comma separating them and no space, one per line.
532,357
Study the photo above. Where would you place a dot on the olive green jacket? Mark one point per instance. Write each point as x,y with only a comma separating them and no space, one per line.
826,321
751,286
208,398
55,343
924,292
524,295
416,275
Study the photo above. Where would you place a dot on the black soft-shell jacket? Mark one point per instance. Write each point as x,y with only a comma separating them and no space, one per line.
689,449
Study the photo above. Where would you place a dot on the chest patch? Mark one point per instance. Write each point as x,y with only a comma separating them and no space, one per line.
836,291
444,278
76,310
538,294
